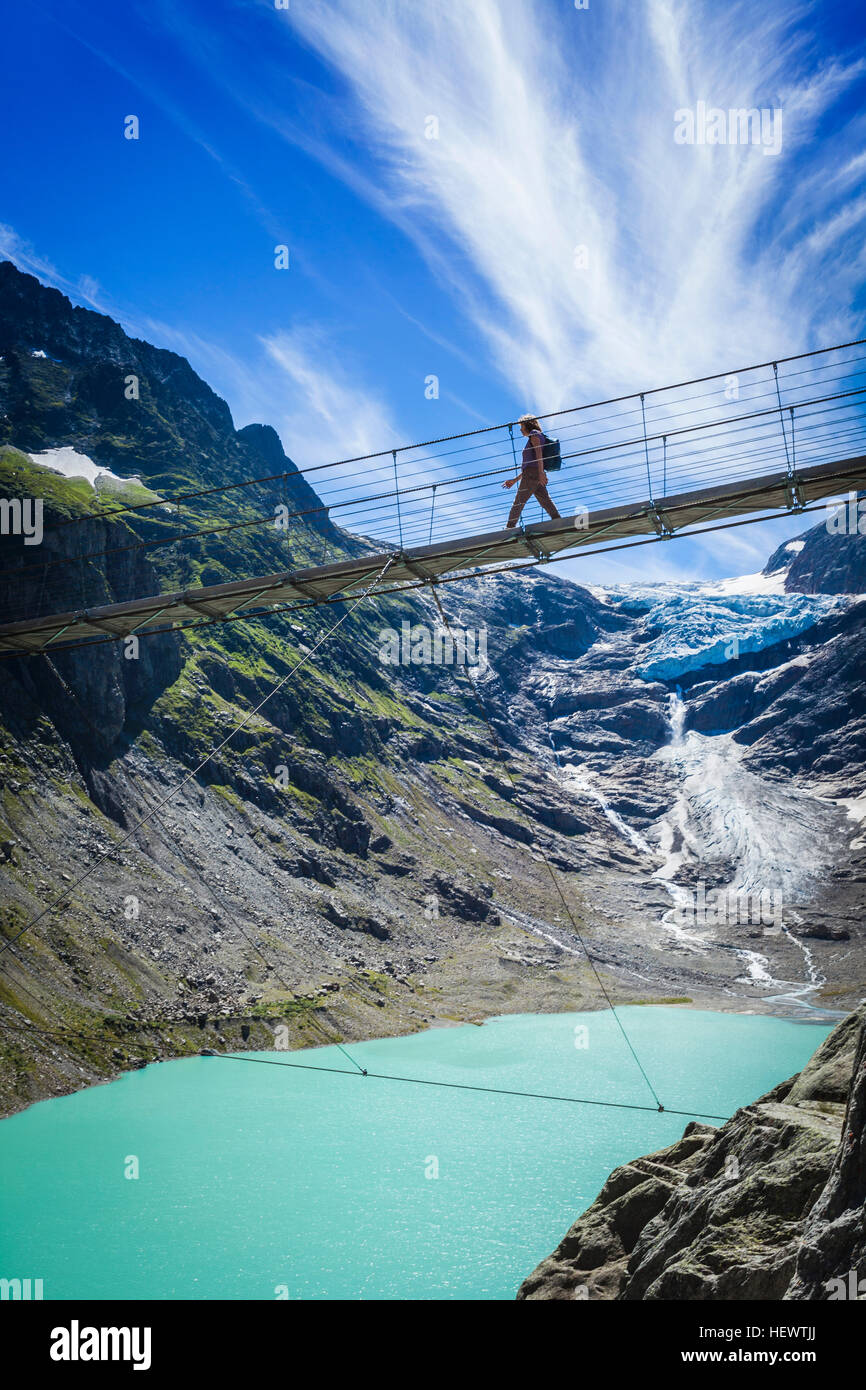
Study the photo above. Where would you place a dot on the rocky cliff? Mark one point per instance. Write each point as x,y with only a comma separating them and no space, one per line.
815,563
770,1206
70,377
337,869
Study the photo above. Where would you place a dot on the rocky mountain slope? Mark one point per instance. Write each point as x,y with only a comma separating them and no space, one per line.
73,378
356,861
823,566
770,1206
334,870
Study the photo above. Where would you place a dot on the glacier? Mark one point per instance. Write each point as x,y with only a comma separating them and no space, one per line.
708,624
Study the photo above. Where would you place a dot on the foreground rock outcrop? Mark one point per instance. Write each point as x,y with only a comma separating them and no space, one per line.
769,1206
834,1239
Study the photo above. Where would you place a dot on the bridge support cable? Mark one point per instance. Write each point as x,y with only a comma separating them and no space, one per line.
156,814
649,481
565,415
795,495
14,647
514,452
462,1086
601,461
225,910
397,494
782,416
605,455
482,709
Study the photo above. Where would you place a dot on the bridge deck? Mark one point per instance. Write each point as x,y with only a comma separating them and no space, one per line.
162,612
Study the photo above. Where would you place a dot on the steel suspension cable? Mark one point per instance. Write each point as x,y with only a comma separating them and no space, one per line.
466,575
550,869
466,434
731,427
463,1086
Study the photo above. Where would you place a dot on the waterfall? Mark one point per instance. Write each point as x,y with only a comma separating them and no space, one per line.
677,718
579,779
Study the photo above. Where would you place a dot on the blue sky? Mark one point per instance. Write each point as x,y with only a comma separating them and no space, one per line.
452,256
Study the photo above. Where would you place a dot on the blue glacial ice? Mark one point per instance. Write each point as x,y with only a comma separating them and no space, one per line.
701,625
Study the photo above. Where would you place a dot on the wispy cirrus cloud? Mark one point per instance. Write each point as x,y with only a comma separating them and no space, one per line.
329,407
294,380
84,290
555,130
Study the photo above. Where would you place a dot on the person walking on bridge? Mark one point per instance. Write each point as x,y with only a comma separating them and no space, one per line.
533,479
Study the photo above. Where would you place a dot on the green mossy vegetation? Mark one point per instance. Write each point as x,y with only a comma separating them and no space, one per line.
63,497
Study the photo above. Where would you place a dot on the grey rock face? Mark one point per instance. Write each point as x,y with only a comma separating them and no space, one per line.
376,758
769,1206
821,561
833,1247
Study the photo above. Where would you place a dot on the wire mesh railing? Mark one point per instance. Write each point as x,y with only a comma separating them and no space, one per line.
649,446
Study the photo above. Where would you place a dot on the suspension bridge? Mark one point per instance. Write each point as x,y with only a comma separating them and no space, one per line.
714,452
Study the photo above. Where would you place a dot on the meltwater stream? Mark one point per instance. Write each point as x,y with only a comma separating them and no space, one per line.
771,839
265,1182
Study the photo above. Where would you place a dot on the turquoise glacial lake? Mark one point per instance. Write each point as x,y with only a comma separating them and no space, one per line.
261,1182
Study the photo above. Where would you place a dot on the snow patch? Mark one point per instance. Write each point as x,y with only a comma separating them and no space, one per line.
801,662
854,805
71,464
749,584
